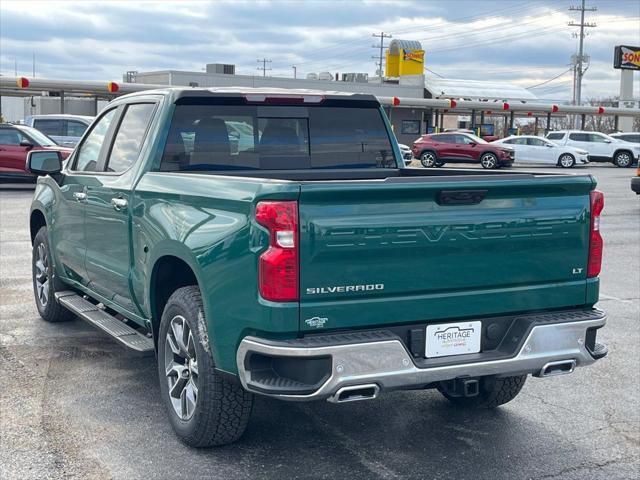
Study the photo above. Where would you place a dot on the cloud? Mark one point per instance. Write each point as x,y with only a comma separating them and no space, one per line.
523,42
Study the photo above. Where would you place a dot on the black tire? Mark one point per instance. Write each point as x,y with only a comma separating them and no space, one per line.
221,409
45,282
429,159
566,160
489,161
623,159
493,392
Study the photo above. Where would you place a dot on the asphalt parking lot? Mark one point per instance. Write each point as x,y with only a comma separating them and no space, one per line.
74,404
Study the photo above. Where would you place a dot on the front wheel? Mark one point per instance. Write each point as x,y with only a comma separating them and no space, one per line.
45,282
623,159
489,161
204,408
492,392
566,160
428,159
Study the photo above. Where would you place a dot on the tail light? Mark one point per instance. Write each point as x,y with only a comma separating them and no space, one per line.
278,266
595,239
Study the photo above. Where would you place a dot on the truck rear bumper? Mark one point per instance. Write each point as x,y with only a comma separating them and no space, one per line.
367,362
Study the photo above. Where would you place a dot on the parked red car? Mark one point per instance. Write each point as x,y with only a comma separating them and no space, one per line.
436,149
15,142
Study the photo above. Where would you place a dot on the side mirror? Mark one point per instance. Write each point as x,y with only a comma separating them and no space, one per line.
26,143
473,144
606,140
44,162
549,145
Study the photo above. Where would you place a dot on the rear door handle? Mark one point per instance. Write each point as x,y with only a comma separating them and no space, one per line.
80,196
460,197
119,203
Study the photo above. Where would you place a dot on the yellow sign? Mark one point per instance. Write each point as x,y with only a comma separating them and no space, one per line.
404,58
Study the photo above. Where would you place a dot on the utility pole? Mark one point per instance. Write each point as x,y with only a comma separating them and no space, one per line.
381,36
294,71
581,58
264,68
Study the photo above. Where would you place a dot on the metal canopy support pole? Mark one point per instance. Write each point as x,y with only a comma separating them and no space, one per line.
95,106
548,127
583,118
434,122
481,122
61,101
441,121
615,122
512,116
473,119
535,126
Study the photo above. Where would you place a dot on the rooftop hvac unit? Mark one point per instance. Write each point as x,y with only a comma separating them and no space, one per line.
223,68
312,76
325,76
355,77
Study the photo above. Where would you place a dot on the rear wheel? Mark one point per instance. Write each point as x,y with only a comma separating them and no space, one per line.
622,159
428,159
45,283
204,408
489,160
566,160
492,392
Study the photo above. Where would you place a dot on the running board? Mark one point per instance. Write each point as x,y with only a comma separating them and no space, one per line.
118,330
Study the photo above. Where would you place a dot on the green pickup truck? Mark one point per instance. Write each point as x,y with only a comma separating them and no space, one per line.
270,242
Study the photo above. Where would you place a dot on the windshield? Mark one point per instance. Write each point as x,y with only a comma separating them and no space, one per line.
241,137
39,137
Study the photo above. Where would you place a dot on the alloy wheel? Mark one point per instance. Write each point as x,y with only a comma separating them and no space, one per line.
566,161
428,159
488,161
181,367
623,159
42,275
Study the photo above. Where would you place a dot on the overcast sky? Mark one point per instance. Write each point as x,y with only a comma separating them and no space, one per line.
522,42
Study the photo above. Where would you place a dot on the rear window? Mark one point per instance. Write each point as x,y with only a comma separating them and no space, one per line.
241,137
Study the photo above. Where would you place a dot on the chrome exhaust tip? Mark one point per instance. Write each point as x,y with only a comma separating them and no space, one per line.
354,393
561,367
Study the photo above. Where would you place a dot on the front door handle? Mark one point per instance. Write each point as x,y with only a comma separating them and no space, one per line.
119,203
80,196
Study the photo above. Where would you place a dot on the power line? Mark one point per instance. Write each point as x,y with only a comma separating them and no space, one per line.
381,36
550,80
264,68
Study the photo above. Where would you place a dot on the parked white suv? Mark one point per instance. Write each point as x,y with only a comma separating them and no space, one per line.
601,147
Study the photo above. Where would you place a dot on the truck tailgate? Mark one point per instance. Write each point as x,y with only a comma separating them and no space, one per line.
421,249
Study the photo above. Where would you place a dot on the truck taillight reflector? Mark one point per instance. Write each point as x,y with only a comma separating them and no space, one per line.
595,239
278,266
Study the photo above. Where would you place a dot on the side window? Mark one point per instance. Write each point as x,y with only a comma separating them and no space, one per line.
555,136
595,138
444,138
128,140
75,129
579,137
48,126
89,151
508,142
536,142
10,136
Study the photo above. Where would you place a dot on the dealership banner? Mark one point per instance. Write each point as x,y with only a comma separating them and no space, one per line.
626,57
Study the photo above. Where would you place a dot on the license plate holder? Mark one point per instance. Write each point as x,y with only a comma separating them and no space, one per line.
448,339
